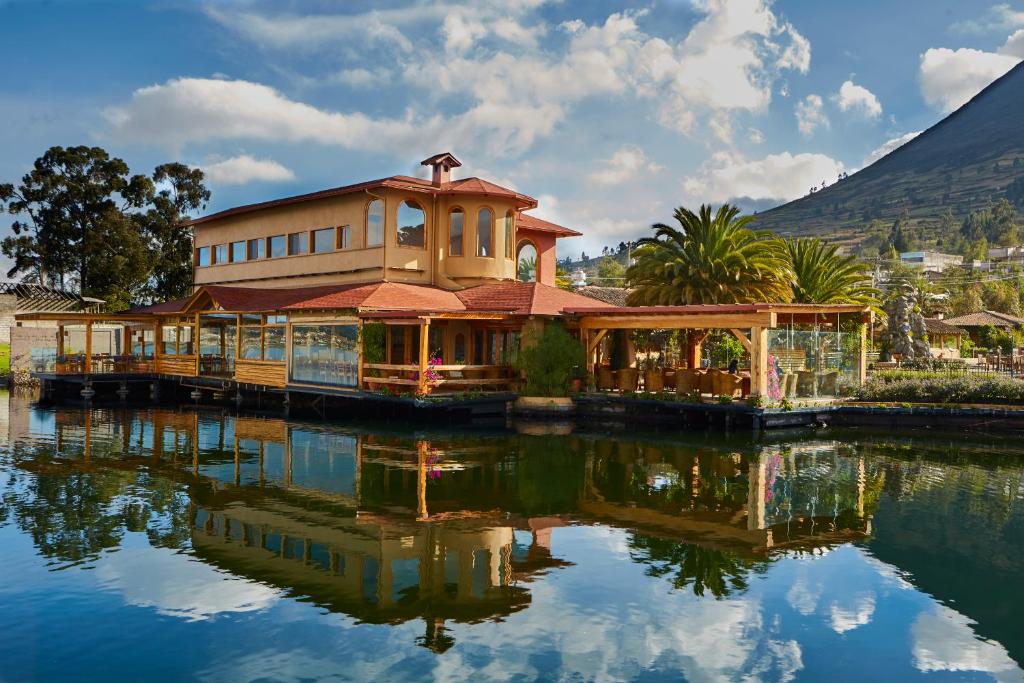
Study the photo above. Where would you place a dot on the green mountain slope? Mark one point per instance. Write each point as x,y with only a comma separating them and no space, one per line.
967,161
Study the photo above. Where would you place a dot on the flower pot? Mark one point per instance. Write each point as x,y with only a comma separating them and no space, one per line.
576,385
627,379
653,380
605,378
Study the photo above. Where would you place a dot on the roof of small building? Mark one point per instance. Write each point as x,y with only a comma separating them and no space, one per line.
939,326
172,306
523,298
985,318
463,186
616,296
528,222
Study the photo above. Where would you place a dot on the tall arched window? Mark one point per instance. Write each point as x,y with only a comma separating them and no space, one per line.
411,225
456,219
375,223
510,234
485,232
526,262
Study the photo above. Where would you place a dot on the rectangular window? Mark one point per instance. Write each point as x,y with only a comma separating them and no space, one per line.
325,354
276,319
397,356
273,343
257,249
169,338
323,240
278,246
250,343
344,237
238,251
220,253
186,343
455,232
203,256
510,234
298,243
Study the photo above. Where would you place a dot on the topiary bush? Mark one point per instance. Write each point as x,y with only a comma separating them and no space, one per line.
548,360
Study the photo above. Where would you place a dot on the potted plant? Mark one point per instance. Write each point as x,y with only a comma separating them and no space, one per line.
654,381
550,363
579,374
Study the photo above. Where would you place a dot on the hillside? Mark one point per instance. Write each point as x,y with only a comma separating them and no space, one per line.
964,163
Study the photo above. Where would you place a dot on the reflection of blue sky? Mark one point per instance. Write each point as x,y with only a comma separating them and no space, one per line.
825,616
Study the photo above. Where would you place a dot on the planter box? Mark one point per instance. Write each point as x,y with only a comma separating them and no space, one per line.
545,404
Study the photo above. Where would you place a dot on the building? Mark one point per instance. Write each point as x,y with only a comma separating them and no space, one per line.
943,338
404,285
974,323
930,261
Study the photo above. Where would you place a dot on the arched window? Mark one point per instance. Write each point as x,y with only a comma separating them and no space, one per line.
375,223
460,348
411,225
510,234
456,219
485,232
526,262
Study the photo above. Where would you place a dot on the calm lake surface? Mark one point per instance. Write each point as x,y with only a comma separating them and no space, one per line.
173,545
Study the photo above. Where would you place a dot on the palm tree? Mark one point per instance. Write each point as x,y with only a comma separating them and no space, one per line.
822,276
710,259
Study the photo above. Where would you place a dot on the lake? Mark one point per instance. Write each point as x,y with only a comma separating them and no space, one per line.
157,544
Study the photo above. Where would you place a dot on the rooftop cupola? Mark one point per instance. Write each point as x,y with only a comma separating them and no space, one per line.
442,165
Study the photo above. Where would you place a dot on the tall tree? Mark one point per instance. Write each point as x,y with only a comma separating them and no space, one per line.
82,220
711,258
822,276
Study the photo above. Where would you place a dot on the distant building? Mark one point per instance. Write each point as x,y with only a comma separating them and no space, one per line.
21,297
930,261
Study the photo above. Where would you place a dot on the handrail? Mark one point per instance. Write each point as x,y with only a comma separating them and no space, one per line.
390,366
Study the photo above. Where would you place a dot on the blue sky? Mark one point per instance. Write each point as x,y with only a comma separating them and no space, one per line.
610,113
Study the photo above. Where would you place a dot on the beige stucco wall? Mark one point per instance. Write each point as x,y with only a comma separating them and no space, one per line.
428,265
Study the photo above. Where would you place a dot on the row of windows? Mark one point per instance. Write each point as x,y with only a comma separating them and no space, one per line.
317,241
411,232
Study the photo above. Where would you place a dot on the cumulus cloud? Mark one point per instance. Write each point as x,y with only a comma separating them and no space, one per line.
1000,17
853,97
626,163
889,146
1014,45
781,177
949,78
361,78
810,115
943,640
245,169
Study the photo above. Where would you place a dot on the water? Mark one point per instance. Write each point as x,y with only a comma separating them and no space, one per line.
163,545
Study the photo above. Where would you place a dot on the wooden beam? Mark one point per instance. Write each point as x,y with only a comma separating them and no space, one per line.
720,321
742,337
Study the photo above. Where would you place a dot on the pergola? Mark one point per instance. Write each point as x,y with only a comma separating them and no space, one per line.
750,323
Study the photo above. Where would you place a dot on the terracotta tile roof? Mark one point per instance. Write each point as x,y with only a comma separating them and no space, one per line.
616,296
523,298
172,306
937,326
373,295
528,222
983,318
400,182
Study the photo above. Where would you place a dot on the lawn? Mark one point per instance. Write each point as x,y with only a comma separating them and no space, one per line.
5,359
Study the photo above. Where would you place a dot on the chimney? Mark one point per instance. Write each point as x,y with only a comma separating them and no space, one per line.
442,165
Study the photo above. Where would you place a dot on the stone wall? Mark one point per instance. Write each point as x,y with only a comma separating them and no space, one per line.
24,339
8,307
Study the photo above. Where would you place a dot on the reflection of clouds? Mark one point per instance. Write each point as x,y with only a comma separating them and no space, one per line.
944,641
848,617
177,585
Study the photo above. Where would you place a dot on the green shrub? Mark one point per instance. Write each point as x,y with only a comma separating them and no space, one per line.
374,342
548,361
939,388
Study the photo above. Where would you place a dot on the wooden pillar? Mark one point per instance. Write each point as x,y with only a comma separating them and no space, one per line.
862,357
362,355
424,386
759,361
60,340
756,495
422,452
694,339
88,348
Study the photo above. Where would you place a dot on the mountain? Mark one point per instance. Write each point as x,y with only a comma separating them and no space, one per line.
964,163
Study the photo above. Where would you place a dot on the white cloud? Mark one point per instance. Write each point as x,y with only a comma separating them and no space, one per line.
889,146
781,177
858,98
755,136
1014,45
949,78
461,32
943,640
625,164
847,617
810,115
1001,17
245,169
361,78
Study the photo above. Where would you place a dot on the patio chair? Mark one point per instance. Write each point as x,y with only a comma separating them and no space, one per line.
829,383
605,378
687,381
627,379
805,383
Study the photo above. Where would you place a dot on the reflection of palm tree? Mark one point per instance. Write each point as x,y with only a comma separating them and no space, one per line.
703,569
527,269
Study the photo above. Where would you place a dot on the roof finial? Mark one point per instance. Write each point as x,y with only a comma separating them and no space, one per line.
442,164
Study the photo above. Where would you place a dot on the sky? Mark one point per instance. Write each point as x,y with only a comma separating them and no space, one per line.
610,113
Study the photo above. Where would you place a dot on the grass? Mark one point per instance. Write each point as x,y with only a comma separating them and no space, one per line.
5,360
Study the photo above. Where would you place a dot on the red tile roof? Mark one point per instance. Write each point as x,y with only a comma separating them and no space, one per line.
400,182
984,318
390,296
528,222
524,298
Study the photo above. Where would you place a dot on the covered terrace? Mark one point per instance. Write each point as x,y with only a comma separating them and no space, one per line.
788,350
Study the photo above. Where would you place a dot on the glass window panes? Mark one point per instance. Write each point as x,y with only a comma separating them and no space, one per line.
456,219
186,342
484,232
411,229
276,319
278,246
273,343
325,354
298,243
169,338
323,240
526,263
250,343
220,253
375,223
257,249
510,234
203,256
237,251
344,237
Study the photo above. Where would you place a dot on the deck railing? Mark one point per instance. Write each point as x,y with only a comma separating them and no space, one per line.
448,377
97,365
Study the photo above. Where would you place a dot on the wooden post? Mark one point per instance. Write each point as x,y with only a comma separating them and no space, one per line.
424,386
862,357
362,354
422,451
758,361
88,348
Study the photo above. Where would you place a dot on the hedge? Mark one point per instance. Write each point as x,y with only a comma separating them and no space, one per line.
943,389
